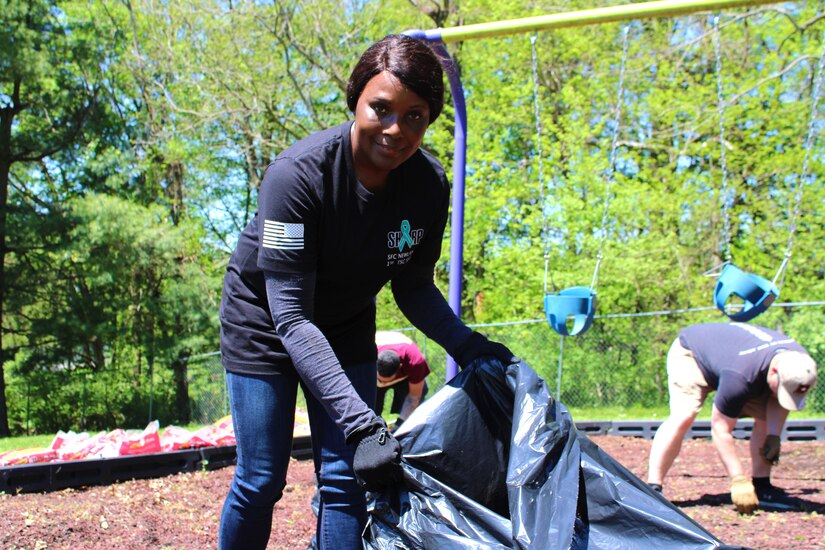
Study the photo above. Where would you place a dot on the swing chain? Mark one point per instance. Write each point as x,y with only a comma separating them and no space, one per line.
800,183
595,281
617,114
537,114
726,193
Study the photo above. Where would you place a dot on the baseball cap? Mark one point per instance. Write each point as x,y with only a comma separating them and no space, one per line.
797,374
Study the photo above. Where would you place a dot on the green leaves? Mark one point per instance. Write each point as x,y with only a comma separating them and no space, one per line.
120,277
664,216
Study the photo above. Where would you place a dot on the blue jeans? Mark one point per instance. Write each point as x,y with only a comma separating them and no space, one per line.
263,415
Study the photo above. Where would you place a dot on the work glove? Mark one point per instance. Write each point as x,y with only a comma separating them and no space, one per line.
377,462
743,494
478,346
771,448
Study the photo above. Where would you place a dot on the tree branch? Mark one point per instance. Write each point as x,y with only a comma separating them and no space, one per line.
773,76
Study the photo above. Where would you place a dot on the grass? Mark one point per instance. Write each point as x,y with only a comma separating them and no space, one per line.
24,442
637,412
594,414
633,412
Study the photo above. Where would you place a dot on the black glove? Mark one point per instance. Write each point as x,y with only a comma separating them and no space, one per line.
377,461
478,346
770,450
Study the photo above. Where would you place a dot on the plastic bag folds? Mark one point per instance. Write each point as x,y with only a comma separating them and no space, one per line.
493,460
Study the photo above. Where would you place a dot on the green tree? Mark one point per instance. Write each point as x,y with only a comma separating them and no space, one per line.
225,87
129,291
51,78
664,216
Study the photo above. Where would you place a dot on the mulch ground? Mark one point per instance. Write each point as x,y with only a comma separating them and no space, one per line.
182,511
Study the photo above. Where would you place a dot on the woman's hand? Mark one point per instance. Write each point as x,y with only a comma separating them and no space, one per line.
476,345
377,462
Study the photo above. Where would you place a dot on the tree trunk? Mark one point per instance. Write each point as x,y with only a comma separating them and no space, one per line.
6,118
180,373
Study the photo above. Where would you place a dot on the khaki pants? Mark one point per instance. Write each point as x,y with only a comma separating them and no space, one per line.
688,388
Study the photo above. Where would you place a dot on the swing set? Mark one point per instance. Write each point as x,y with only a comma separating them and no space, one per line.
571,311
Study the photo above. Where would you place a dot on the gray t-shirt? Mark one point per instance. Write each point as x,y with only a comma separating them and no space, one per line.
734,359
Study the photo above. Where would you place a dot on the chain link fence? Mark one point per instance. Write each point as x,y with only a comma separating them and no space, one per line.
115,397
208,396
62,398
617,365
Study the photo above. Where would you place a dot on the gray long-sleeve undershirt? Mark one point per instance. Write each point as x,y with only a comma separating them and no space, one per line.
428,311
290,298
291,304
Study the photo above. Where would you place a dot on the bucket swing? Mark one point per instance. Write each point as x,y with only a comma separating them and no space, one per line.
576,304
757,293
570,311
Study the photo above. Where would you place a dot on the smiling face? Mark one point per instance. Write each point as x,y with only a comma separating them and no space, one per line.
390,122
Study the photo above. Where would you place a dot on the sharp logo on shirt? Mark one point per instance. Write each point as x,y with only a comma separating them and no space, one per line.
403,241
283,236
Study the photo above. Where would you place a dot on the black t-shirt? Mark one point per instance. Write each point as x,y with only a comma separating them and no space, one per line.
314,215
734,359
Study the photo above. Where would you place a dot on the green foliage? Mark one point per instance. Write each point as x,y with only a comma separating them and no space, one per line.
127,294
665,224
55,115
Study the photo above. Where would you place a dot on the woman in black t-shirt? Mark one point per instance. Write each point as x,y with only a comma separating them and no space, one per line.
340,213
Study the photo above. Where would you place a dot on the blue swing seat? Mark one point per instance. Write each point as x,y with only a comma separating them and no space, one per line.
578,302
757,292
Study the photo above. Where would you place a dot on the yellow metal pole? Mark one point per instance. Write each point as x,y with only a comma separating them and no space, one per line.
644,10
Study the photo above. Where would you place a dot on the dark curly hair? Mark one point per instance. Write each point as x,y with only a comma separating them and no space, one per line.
388,363
410,60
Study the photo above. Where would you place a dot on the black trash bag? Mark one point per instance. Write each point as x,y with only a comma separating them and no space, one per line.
494,461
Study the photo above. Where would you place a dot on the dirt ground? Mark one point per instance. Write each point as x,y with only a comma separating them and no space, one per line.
182,511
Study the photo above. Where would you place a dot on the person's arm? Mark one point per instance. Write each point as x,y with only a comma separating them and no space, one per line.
377,460
722,427
427,309
291,302
412,400
421,302
775,416
742,491
771,447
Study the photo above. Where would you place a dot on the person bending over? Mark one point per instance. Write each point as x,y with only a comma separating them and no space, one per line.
402,370
756,372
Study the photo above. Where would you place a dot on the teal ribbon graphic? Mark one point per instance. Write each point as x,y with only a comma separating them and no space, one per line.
405,236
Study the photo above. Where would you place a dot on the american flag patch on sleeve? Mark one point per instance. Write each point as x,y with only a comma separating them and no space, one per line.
283,236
